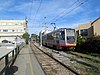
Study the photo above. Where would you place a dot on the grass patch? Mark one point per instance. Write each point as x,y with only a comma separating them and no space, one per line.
93,71
87,55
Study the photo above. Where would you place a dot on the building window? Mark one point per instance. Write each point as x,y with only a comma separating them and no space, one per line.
13,30
77,32
16,30
5,30
16,23
22,23
4,24
0,23
21,30
9,23
24,28
84,32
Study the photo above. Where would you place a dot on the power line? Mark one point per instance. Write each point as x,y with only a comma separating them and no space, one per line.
38,9
31,10
70,10
66,9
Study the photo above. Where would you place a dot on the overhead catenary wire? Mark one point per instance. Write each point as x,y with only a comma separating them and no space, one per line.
56,19
66,9
30,10
35,15
38,9
71,10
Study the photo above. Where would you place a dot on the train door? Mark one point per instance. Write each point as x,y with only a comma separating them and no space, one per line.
62,37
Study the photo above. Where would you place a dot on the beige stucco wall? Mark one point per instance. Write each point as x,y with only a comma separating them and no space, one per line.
93,27
96,27
83,26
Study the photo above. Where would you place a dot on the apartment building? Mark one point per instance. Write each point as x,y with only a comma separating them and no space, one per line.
96,26
12,29
83,29
89,29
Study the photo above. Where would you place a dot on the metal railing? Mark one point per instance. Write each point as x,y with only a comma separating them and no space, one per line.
7,63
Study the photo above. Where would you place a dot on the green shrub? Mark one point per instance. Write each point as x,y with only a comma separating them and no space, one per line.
80,43
88,45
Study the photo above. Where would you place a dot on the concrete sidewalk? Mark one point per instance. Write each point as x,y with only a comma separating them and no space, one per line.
26,63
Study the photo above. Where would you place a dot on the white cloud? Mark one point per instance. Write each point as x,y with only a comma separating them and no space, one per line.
5,4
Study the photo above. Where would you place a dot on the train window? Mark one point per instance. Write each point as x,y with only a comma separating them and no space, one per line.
70,36
54,35
49,37
70,39
70,33
62,36
84,32
57,35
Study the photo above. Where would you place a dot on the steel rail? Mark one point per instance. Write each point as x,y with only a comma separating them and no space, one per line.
59,61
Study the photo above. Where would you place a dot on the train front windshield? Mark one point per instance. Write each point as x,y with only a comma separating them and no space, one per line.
70,35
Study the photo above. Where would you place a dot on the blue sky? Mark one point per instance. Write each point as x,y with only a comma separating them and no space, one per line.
73,13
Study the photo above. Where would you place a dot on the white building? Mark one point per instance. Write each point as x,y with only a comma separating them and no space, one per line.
12,29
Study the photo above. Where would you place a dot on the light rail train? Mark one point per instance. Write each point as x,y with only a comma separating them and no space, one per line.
60,38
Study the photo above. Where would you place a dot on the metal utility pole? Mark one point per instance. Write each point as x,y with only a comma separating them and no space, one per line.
45,23
41,33
54,25
41,39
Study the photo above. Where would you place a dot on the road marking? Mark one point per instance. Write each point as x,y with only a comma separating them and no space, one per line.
31,66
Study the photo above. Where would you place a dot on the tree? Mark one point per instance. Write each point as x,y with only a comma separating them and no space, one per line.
26,37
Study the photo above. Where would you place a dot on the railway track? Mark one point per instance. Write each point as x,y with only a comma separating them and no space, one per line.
80,65
51,65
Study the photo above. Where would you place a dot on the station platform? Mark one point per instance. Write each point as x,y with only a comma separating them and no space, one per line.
26,63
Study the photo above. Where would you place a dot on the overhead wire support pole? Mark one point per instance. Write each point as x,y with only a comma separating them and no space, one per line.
45,23
41,39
